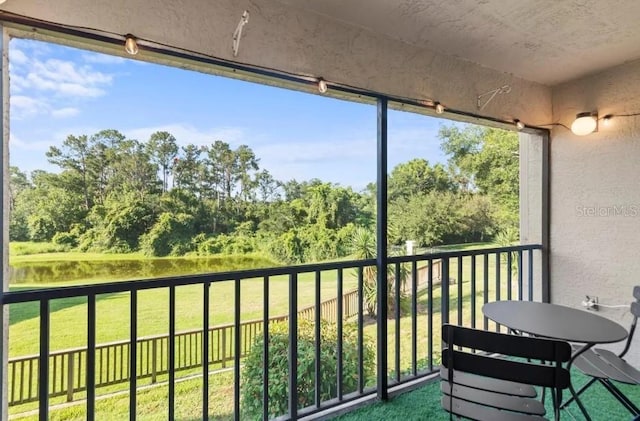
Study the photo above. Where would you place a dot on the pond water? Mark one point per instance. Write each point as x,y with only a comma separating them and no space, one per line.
95,271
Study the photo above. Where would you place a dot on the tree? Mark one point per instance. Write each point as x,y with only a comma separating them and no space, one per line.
162,148
134,172
126,219
103,153
18,184
487,159
222,163
171,234
246,164
267,186
331,206
74,156
429,219
187,169
418,177
49,208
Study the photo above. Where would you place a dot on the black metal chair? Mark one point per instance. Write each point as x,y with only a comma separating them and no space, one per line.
604,366
479,384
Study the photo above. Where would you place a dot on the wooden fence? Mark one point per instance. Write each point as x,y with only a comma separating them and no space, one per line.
67,368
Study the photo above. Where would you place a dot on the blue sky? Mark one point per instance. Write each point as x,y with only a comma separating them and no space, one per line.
57,91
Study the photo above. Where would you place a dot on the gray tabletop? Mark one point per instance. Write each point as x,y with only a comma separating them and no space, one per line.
555,321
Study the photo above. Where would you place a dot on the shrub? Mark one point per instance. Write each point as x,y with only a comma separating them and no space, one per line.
252,384
287,247
171,234
65,239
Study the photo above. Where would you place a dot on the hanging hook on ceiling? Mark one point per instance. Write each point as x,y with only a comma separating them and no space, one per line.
501,90
237,34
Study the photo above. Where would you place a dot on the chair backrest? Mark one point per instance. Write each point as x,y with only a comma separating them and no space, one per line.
488,365
635,312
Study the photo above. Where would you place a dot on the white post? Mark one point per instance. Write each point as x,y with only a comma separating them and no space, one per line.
410,247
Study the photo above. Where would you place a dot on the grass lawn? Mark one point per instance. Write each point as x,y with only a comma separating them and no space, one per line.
68,326
68,316
152,403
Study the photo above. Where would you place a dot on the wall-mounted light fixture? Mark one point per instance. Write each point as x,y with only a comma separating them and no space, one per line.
519,124
131,44
585,123
438,107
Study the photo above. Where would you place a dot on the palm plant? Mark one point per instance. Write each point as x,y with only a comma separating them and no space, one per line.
509,237
363,246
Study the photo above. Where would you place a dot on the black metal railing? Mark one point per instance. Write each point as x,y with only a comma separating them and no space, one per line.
420,299
67,370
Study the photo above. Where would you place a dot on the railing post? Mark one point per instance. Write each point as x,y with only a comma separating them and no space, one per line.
223,355
154,355
546,227
293,346
381,250
70,370
444,288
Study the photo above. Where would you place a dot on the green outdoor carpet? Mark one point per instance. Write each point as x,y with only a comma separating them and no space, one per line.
424,404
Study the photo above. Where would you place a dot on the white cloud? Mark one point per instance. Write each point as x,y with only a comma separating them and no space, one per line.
98,58
16,142
65,112
23,106
18,57
187,134
34,48
64,78
17,83
44,85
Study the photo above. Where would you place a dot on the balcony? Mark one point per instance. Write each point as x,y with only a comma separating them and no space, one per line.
424,404
370,356
462,54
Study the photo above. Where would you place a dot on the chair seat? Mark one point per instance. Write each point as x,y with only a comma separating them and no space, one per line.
604,364
630,372
493,399
483,413
499,386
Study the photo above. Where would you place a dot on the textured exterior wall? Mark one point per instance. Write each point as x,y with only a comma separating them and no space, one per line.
531,203
595,194
283,38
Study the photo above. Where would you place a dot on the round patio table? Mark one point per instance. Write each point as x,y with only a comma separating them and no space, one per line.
554,321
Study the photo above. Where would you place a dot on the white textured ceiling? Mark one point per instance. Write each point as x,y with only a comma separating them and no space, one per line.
546,41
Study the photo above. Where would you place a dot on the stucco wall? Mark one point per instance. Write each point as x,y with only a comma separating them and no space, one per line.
283,38
595,193
531,195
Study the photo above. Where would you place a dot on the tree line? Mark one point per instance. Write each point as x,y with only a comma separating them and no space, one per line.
114,194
